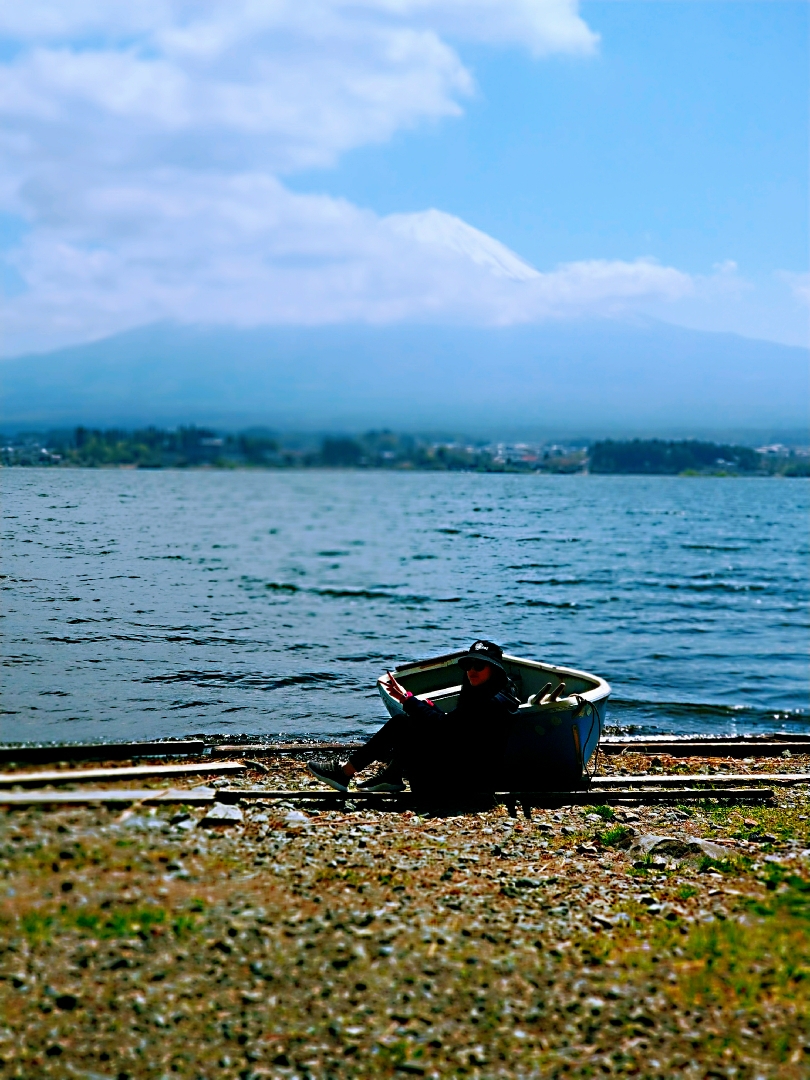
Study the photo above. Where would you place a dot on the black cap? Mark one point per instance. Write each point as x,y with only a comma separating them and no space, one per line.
483,651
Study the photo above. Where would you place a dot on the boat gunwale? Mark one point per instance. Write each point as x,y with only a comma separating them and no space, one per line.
597,694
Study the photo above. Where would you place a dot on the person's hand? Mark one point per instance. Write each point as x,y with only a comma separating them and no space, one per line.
396,690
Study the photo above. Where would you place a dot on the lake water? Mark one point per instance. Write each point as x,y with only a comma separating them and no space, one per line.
146,604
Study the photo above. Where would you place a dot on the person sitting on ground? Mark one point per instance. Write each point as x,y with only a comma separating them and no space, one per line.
460,750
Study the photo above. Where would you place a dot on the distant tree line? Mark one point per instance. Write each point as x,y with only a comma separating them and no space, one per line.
656,457
189,447
195,447
145,448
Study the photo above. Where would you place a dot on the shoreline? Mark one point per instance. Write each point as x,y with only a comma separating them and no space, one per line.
687,474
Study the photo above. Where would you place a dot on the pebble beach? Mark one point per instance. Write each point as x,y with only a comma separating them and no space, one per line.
153,942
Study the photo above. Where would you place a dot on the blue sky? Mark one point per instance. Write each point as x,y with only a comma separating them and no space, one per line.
453,160
685,136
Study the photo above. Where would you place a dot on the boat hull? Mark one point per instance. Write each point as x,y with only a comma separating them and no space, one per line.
551,742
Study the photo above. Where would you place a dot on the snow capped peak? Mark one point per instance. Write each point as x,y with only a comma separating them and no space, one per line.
434,227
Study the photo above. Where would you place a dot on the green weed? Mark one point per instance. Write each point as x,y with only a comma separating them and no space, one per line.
40,926
616,836
723,866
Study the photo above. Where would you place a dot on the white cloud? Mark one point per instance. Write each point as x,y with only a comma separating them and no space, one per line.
245,250
143,146
202,27
277,84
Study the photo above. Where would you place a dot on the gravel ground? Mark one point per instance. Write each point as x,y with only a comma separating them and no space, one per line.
142,943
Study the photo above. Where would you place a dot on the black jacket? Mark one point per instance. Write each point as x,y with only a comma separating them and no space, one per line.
463,748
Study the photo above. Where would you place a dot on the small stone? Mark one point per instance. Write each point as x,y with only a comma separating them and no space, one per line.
222,814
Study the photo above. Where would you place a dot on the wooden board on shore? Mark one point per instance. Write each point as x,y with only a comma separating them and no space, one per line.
193,797
258,750
534,798
717,780
134,772
41,755
727,746
329,797
736,748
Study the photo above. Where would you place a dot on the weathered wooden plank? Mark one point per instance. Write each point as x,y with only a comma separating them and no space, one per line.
258,750
404,801
536,798
133,772
718,780
675,747
704,748
41,755
151,796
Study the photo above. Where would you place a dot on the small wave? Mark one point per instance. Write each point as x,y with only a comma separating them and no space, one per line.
363,594
710,547
562,604
364,658
359,594
20,659
254,679
715,586
551,581
87,640
178,706
546,539
718,710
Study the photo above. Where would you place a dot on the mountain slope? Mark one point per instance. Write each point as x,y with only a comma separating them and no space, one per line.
595,377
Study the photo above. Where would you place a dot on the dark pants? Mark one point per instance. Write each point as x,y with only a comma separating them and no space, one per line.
396,740
429,751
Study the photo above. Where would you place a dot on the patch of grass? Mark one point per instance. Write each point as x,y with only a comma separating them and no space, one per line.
643,866
760,964
616,836
792,893
686,892
731,865
36,926
39,927
717,813
606,813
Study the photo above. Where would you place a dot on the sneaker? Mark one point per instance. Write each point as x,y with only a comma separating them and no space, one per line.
389,778
329,770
